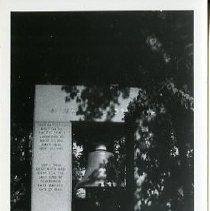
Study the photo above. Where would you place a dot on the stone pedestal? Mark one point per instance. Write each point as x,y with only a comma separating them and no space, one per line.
51,161
51,173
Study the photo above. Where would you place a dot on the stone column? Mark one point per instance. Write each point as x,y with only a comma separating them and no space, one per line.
51,161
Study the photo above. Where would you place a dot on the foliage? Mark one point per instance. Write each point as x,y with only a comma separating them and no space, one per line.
163,150
20,167
94,100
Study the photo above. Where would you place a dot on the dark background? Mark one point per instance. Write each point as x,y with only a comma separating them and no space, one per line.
91,48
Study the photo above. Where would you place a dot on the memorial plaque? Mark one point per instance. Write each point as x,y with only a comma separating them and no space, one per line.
51,173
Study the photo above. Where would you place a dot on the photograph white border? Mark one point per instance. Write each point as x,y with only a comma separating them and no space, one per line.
200,76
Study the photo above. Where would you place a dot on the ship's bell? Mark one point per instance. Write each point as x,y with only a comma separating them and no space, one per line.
98,172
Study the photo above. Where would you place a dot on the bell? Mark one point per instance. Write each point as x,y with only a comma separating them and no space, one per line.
99,171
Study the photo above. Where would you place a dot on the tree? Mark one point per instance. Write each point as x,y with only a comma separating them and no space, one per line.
163,117
163,150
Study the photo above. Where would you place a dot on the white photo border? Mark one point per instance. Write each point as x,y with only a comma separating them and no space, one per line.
200,76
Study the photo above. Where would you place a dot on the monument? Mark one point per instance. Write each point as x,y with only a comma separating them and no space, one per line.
52,144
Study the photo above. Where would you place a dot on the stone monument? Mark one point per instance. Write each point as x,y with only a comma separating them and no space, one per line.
51,158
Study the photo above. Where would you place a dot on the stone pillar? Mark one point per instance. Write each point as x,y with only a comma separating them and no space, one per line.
51,161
